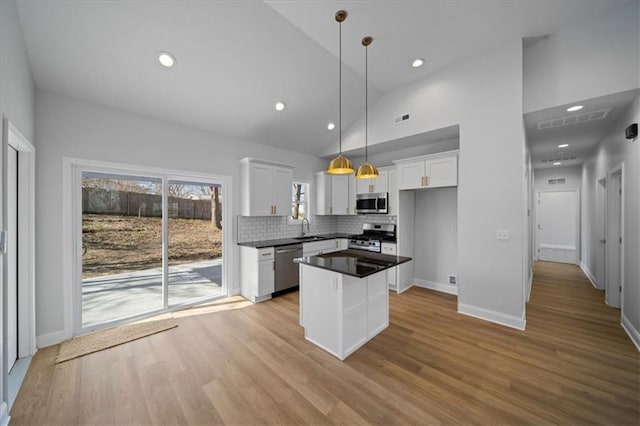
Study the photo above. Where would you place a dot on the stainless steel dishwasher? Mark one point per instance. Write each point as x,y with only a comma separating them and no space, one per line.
287,275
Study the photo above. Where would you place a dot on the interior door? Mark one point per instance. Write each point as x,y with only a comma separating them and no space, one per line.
557,230
12,257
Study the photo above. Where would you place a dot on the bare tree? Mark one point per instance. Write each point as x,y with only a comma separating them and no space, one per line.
115,185
296,201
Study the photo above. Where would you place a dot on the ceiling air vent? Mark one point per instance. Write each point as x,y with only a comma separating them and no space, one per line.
402,118
574,119
553,160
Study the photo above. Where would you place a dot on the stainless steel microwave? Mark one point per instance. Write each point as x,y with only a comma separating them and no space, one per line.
372,203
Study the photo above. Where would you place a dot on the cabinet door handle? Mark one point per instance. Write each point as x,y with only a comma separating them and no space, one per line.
426,180
273,265
370,188
331,210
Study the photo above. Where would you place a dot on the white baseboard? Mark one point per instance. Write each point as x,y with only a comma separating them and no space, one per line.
589,275
633,333
444,288
493,316
401,290
50,339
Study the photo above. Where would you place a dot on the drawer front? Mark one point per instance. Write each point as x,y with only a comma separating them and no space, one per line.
265,254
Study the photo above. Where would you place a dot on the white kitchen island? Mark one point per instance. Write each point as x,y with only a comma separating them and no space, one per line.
344,298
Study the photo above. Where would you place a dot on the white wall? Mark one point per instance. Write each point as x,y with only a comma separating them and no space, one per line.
484,97
613,150
596,58
572,174
436,235
16,84
73,128
16,105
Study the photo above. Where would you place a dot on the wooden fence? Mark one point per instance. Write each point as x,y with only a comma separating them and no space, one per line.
102,201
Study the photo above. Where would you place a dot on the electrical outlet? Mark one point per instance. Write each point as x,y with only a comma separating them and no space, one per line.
502,234
3,242
452,279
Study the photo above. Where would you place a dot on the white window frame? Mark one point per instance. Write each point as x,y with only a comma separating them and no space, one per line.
72,229
307,206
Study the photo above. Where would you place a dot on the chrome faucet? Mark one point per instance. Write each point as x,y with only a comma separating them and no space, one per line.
308,226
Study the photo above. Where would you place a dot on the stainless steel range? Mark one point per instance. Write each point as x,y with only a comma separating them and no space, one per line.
373,234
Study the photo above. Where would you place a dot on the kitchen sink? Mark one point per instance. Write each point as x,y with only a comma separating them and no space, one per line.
309,238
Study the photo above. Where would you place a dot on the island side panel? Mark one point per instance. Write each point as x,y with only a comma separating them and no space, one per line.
377,304
320,307
354,311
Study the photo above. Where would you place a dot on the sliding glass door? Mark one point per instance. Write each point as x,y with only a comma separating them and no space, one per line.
195,241
148,242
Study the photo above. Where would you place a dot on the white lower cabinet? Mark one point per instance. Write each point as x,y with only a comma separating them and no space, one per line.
340,313
257,273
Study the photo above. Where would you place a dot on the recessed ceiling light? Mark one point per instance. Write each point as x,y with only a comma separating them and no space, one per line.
166,59
564,145
331,126
418,62
575,108
557,163
280,106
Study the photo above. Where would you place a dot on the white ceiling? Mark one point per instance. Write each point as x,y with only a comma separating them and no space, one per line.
235,59
582,137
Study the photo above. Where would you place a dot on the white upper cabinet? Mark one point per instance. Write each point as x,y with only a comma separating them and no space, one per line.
266,188
429,171
334,194
379,184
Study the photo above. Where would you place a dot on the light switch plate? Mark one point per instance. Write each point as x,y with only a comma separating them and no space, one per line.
3,241
502,234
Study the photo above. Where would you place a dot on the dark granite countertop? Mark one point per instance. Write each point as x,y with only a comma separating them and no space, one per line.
356,263
288,241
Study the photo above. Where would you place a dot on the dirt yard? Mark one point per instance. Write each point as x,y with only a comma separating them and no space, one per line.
115,244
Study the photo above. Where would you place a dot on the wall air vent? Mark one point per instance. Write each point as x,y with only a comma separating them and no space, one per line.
402,118
574,119
557,181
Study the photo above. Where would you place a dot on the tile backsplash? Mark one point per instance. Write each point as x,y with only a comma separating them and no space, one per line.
271,228
353,224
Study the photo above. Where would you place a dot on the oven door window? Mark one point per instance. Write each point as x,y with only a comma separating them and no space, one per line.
366,204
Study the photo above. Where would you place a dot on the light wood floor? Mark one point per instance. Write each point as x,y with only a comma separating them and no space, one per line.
251,365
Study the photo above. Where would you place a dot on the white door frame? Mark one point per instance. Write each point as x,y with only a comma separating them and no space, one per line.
577,233
26,231
601,223
612,234
72,229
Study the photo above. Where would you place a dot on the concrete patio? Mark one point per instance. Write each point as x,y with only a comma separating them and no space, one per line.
117,296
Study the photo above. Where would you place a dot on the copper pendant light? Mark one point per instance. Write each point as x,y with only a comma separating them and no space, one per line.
340,165
367,170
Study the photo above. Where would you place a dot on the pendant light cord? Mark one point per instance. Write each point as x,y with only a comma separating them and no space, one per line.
340,87
366,104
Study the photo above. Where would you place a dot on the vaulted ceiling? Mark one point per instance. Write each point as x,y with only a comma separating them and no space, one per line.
236,59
